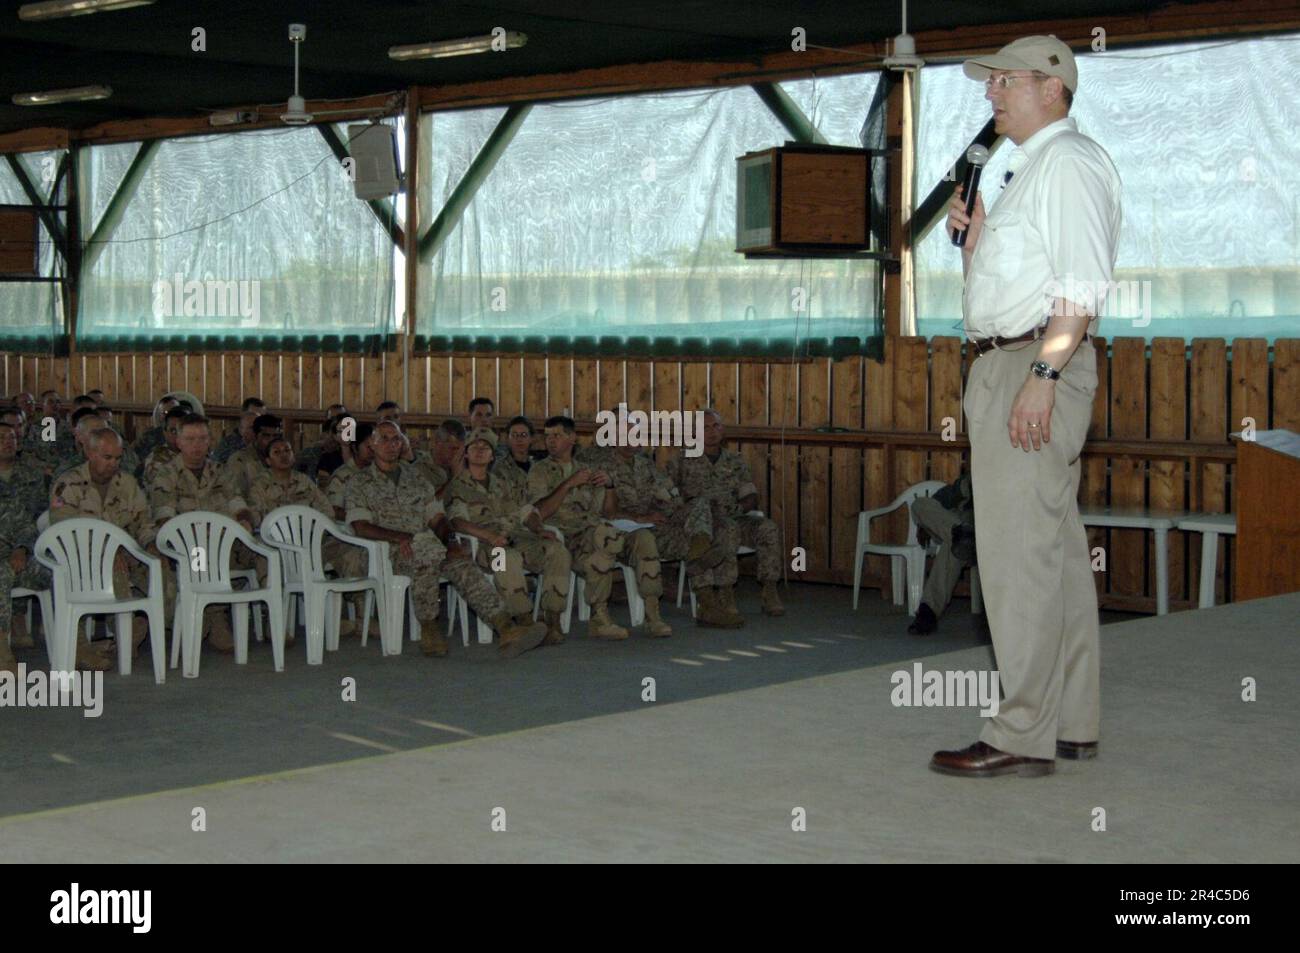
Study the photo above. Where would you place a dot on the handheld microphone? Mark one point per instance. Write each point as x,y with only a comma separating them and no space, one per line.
976,157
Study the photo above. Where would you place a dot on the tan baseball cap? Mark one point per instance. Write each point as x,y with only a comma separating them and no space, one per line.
1046,54
482,433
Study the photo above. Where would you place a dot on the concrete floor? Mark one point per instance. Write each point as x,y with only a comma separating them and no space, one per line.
782,715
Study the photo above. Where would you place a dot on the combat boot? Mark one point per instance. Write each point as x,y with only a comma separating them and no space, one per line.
517,637
94,656
554,634
432,642
711,613
7,661
601,626
770,601
700,544
20,637
655,627
727,602
219,635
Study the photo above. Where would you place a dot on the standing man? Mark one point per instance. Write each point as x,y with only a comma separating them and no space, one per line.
722,477
1034,267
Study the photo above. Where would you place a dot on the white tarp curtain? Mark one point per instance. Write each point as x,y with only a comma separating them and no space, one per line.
1205,140
32,309
617,217
252,234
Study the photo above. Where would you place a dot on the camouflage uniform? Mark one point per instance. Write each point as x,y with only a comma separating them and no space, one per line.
17,531
43,454
268,493
148,442
433,472
130,463
227,447
724,482
602,458
641,488
407,506
122,503
595,545
336,489
159,457
177,490
241,470
27,482
506,469
501,505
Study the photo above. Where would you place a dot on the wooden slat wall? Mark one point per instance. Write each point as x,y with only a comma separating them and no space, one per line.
1174,392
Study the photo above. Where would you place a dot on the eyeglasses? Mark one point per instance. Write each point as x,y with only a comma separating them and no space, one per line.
1006,80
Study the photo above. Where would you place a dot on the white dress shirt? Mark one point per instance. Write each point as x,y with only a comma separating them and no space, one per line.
1052,233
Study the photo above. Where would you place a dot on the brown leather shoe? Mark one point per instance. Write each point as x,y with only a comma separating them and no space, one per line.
1076,750
985,761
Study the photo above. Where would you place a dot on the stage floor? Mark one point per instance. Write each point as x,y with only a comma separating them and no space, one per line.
750,731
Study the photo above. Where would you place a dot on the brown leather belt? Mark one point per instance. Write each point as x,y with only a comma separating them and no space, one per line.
985,344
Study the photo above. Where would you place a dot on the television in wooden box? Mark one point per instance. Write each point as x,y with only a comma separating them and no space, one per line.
803,199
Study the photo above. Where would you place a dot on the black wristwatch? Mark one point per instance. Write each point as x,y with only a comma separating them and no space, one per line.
1044,370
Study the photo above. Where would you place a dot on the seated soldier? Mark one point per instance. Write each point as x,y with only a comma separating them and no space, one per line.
515,456
151,438
947,515
572,495
392,500
323,457
643,493
246,465
86,421
358,455
495,510
48,437
191,482
20,477
18,565
242,436
391,410
722,477
100,489
166,451
447,458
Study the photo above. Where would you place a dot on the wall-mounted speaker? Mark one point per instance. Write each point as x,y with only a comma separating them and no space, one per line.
373,148
803,198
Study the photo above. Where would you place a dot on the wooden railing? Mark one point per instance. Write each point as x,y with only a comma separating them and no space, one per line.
1159,434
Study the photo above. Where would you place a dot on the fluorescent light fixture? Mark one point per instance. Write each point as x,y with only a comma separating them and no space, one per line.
463,47
78,94
57,9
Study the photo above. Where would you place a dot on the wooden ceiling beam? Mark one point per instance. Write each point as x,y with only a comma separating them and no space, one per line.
1175,22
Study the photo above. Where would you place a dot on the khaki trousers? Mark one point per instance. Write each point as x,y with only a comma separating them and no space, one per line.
1037,580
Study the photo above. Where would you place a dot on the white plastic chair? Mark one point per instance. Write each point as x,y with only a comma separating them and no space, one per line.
298,533
81,552
202,544
907,560
43,596
393,591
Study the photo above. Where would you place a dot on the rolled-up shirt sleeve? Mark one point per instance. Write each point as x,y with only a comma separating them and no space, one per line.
1080,212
